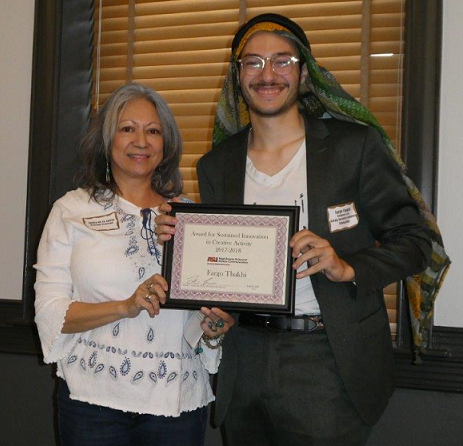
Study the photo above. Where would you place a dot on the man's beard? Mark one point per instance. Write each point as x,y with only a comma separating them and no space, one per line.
270,112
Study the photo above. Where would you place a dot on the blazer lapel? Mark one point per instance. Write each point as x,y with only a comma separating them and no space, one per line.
318,156
235,169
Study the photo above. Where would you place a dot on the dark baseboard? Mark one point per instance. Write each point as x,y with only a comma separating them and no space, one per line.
441,368
449,339
11,310
442,365
19,338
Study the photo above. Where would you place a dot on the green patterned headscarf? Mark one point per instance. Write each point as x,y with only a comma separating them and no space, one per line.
321,94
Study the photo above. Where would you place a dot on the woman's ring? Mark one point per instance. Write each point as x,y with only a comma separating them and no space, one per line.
220,323
212,325
149,286
148,297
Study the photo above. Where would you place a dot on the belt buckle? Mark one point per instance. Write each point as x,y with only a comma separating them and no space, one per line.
313,323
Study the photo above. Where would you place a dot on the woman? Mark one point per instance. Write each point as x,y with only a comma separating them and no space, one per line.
127,375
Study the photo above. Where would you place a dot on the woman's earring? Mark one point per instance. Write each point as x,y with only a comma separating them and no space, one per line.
108,174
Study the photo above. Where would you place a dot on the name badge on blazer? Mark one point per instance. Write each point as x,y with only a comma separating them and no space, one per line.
342,217
108,222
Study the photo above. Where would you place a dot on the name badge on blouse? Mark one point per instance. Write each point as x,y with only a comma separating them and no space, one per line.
342,216
107,222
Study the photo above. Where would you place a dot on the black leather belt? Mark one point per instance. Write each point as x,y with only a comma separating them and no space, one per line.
305,323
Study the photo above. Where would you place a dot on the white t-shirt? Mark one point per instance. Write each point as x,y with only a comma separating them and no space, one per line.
287,187
96,253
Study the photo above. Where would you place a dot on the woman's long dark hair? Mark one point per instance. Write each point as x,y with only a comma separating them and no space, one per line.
95,148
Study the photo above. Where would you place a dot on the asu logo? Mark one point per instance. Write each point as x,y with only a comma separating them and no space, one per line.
212,259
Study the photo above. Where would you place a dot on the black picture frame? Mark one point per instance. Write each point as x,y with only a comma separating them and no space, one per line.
224,243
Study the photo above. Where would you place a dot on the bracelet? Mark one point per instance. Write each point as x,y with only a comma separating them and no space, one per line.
218,341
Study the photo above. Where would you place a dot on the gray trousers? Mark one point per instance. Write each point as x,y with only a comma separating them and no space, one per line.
288,393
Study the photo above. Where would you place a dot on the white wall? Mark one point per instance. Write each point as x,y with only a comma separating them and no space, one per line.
16,28
449,305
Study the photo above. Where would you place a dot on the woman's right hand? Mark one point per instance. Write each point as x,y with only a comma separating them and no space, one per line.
148,296
165,224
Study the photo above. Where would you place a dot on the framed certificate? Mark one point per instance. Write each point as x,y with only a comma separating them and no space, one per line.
236,258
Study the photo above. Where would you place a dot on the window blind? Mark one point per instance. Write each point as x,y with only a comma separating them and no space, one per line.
181,49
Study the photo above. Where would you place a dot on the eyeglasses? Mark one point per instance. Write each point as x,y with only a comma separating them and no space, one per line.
281,64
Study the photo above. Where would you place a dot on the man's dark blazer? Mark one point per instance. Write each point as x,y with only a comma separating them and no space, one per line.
345,163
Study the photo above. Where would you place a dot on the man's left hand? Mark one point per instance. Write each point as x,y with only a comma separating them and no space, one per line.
321,257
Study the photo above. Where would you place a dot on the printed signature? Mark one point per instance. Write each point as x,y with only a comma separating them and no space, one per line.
196,281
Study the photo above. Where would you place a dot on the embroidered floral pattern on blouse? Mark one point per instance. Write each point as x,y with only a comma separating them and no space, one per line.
138,376
172,377
125,367
116,330
135,354
153,377
162,369
92,359
150,334
113,372
147,233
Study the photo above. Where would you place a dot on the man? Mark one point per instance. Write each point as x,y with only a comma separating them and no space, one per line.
324,376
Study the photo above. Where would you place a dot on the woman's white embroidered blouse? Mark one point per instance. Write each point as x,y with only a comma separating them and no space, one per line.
95,253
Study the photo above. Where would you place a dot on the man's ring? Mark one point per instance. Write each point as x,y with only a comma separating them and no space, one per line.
149,286
148,297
